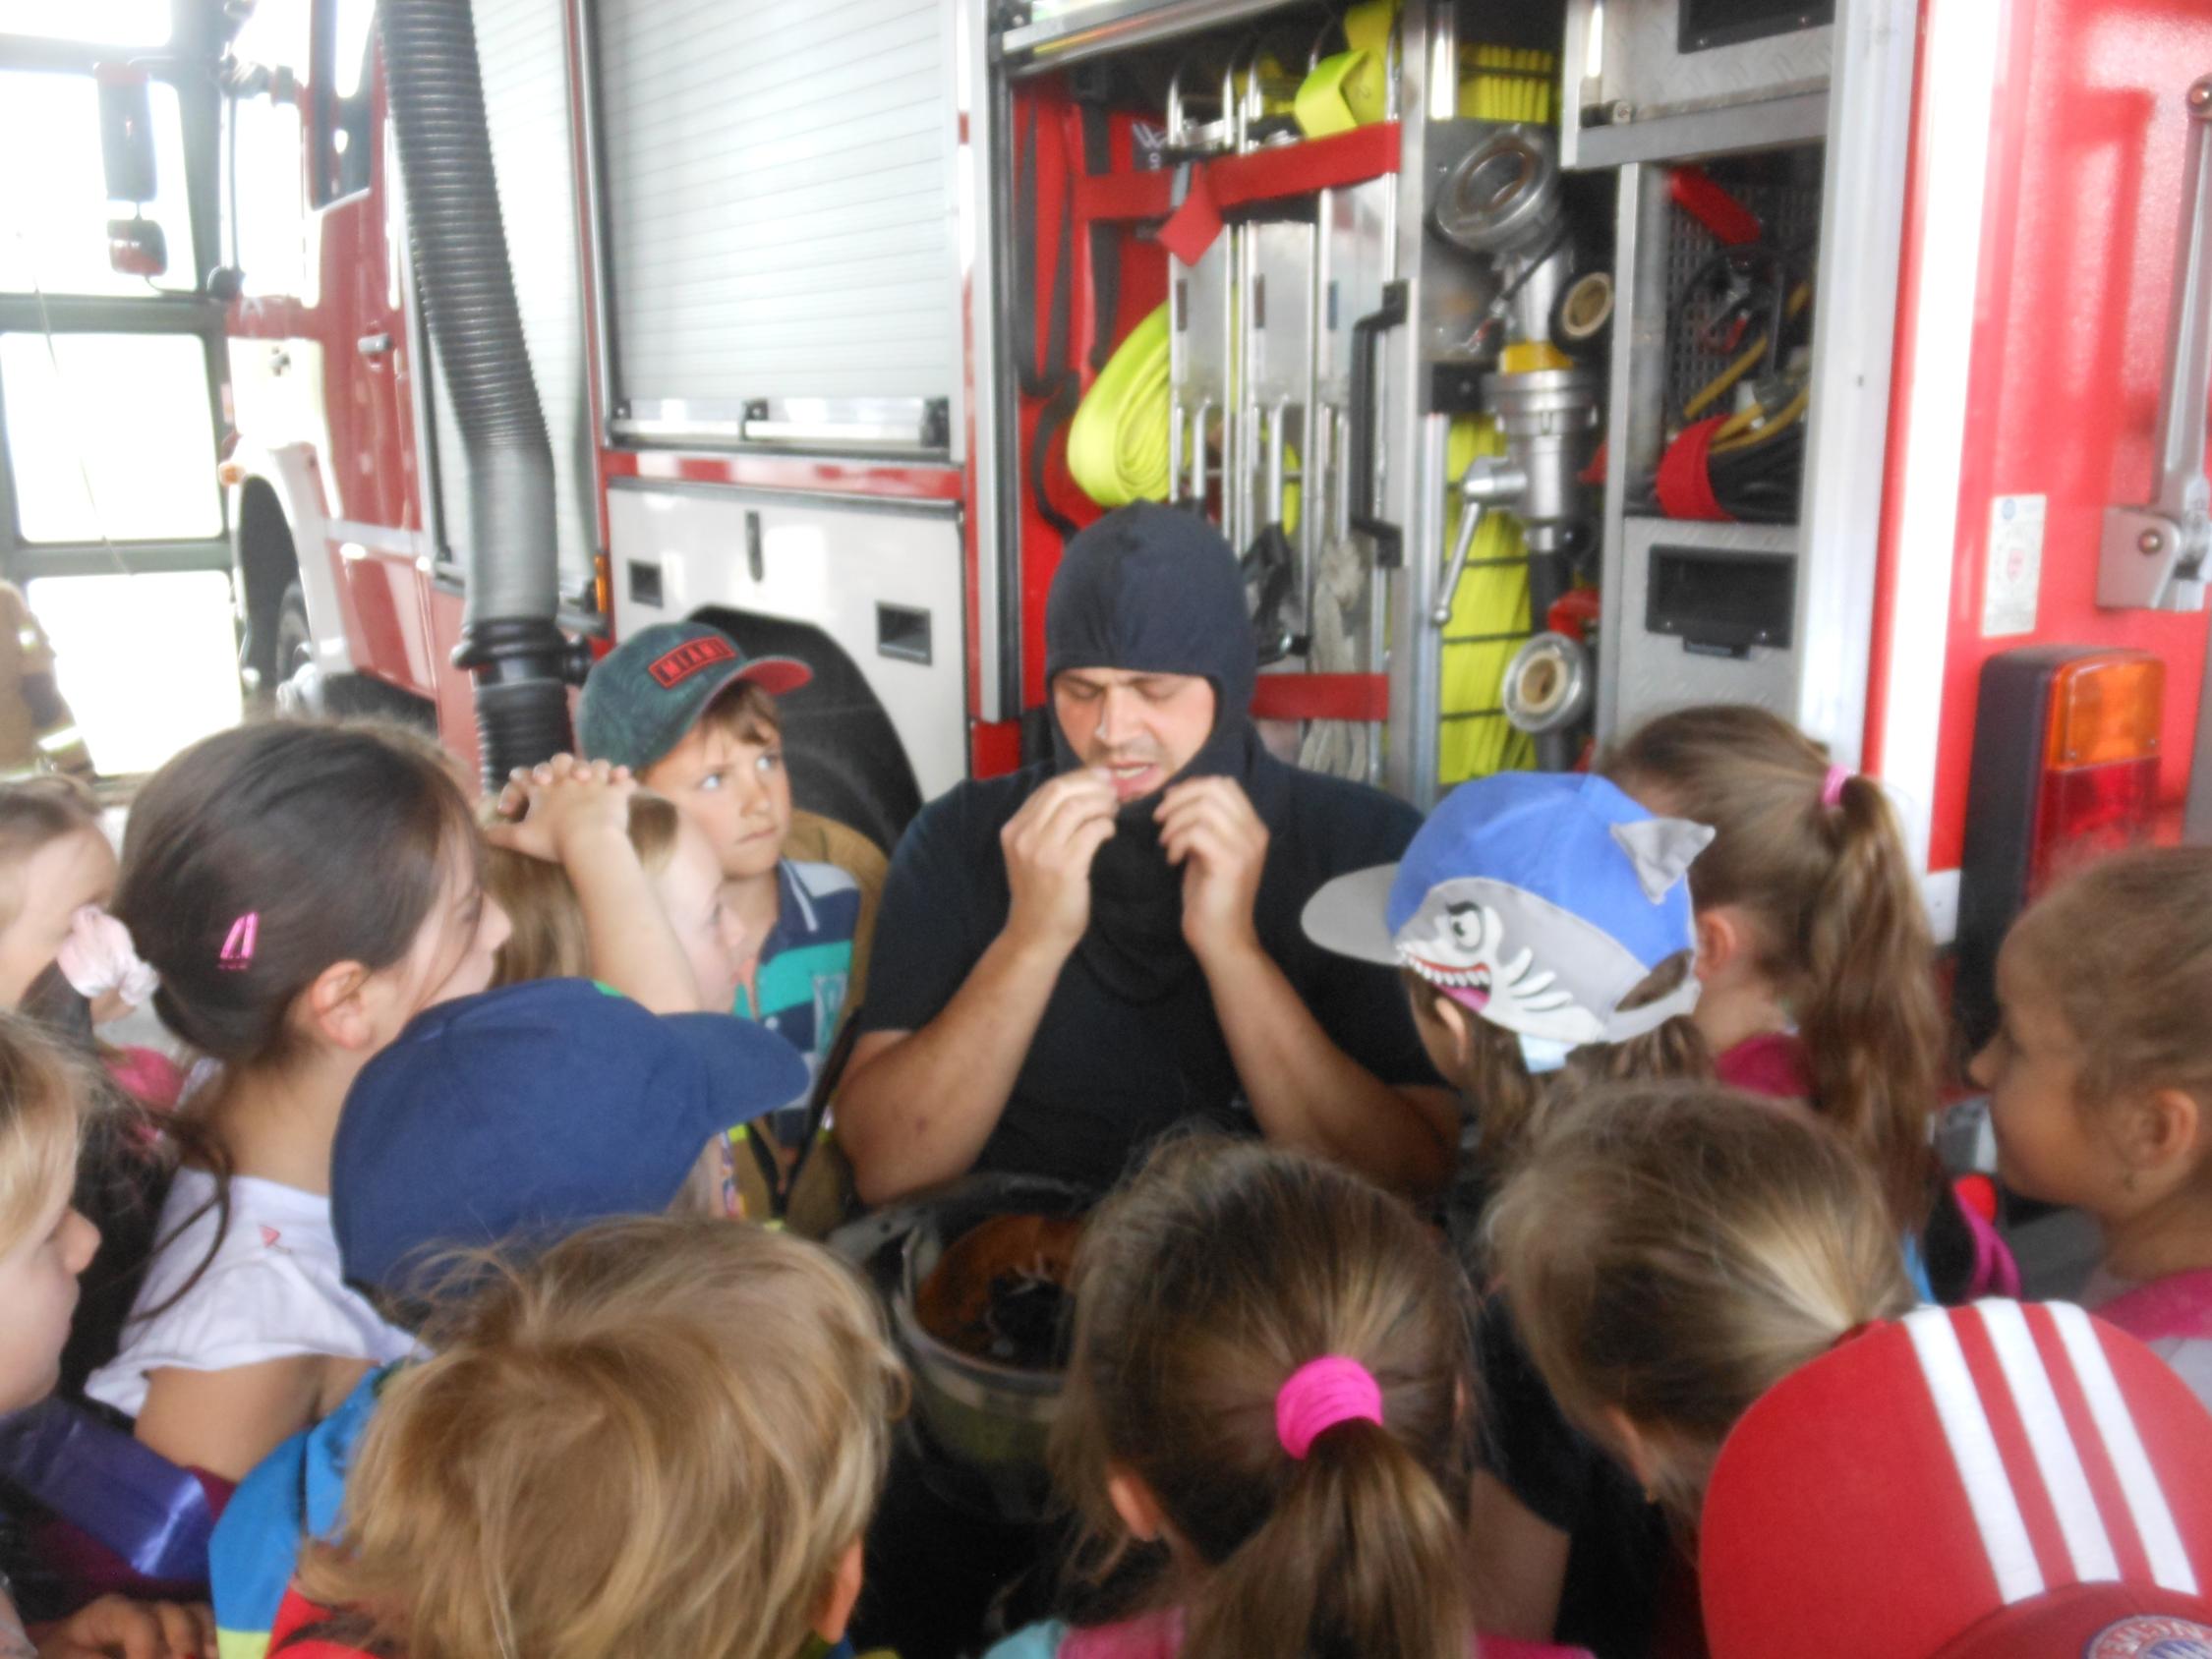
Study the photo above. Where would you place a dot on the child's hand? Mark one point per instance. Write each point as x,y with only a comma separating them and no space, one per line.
134,1629
563,805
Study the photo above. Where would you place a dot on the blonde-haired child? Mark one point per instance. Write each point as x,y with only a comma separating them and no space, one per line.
44,1245
62,956
1271,1383
2100,1084
1671,1251
660,1437
600,879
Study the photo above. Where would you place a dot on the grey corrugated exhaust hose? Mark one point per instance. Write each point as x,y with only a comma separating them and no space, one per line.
509,639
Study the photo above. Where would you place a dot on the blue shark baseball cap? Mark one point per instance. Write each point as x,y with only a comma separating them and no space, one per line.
1539,900
528,1112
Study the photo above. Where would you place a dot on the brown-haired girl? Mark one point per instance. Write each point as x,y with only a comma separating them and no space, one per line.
303,891
660,1437
1271,1386
1813,942
2100,1084
1671,1251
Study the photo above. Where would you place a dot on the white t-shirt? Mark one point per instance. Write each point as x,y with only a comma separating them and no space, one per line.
272,1290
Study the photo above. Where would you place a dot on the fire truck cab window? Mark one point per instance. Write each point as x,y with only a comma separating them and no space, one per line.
53,217
95,23
344,37
267,192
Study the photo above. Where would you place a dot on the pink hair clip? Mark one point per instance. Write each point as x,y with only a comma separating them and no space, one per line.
1832,789
1319,1395
238,946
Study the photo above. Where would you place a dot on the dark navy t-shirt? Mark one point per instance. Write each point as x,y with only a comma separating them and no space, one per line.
1104,1077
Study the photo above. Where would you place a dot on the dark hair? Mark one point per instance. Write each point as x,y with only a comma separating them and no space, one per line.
1839,926
1223,1268
744,713
337,840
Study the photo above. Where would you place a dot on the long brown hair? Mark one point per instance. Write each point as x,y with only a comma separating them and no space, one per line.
660,1437
1671,1251
1200,1287
1838,921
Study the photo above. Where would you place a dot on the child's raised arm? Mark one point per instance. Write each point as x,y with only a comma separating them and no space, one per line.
576,814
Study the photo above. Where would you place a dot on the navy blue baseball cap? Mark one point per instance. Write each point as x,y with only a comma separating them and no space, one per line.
642,697
530,1111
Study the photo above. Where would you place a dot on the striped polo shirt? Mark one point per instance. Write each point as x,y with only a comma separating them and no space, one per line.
806,967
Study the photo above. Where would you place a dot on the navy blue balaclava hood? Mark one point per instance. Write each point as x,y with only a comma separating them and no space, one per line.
1150,589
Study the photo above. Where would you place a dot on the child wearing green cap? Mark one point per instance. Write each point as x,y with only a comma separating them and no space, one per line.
695,719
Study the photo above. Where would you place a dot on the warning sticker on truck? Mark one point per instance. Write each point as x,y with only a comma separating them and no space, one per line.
2015,565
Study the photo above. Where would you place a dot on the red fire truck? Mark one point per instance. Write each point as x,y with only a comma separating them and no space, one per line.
1551,363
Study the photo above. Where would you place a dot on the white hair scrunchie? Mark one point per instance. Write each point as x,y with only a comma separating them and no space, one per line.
98,956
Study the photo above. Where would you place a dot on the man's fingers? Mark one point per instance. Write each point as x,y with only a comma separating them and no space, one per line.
1070,807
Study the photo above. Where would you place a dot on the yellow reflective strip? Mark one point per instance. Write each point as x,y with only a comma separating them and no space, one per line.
61,738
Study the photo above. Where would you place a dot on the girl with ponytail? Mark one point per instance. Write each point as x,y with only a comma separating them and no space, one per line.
1270,1395
1813,948
1671,1251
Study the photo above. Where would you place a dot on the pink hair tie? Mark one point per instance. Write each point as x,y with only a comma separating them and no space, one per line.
1832,788
1319,1395
97,957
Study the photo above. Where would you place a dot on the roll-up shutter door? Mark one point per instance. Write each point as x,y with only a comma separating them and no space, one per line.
779,200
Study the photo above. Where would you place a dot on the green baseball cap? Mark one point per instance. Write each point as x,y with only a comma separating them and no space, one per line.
644,696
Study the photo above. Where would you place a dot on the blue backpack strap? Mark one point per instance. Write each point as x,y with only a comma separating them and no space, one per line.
292,1496
155,1515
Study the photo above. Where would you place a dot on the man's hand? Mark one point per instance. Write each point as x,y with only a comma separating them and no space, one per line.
134,1629
1209,827
1049,846
549,810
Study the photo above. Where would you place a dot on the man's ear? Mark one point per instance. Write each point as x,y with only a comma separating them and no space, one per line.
843,1595
336,1006
1136,1503
2165,1129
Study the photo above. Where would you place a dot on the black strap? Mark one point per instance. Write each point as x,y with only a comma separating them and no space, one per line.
1049,379
1032,381
1105,241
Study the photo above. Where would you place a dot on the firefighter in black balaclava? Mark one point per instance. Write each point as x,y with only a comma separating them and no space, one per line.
1074,958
